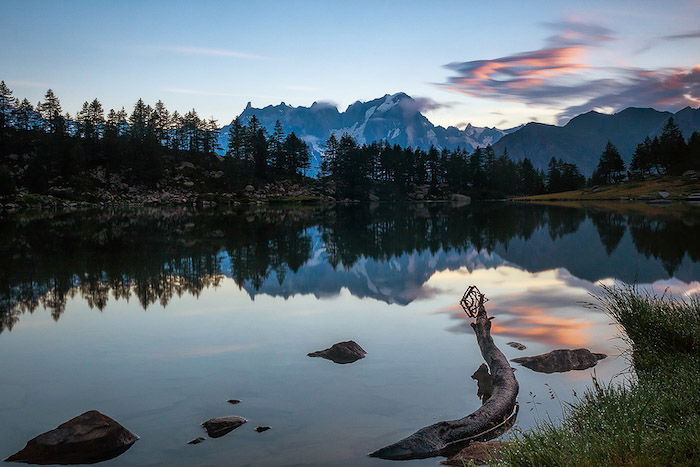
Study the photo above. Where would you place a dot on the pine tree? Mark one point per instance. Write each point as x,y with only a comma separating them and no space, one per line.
694,151
328,162
210,136
160,119
236,139
7,106
139,121
610,167
553,176
50,111
91,121
643,158
192,131
25,117
296,155
433,167
277,147
175,131
673,150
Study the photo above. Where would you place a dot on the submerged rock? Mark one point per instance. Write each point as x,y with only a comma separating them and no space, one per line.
560,361
218,427
477,452
516,345
260,429
196,440
86,439
342,352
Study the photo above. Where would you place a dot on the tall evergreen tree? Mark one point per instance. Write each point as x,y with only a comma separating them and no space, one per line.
329,158
25,117
642,158
277,150
7,105
672,147
610,167
236,140
51,113
694,151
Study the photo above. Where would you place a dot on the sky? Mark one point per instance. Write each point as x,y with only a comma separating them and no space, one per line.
487,63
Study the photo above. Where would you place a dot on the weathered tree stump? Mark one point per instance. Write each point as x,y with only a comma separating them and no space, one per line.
488,421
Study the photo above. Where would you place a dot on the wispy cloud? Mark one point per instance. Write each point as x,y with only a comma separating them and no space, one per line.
299,87
423,104
688,35
558,75
190,50
27,84
201,92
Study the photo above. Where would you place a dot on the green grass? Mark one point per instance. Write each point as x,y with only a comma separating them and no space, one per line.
653,419
677,187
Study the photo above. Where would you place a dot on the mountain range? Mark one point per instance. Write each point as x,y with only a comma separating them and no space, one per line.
397,119
583,138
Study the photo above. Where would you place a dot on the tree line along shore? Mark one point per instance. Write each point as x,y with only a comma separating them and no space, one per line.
158,156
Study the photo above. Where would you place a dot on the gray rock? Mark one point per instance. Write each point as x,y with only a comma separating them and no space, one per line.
260,429
249,188
664,194
560,361
342,352
196,440
218,427
86,439
460,199
373,197
233,401
516,345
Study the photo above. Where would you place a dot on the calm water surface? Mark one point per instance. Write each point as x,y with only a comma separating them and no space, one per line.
158,317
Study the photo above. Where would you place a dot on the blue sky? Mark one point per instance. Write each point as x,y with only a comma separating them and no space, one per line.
488,63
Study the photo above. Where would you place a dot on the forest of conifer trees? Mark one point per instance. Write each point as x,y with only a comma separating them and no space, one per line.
41,146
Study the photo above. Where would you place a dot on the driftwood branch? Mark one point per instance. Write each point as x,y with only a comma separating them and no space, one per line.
489,420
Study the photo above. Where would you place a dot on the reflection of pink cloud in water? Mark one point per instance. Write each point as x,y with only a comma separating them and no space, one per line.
535,324
545,307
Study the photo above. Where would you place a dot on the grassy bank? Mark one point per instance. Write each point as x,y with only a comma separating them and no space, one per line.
677,187
652,420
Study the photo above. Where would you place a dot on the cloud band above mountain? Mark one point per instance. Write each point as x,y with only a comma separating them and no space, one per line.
558,75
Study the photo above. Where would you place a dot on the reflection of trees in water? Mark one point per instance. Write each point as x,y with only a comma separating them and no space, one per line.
611,228
149,254
155,254
668,241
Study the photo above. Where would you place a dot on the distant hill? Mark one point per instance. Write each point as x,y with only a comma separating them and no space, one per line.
394,118
583,138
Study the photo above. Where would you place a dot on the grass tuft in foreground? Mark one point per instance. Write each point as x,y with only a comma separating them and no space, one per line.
652,420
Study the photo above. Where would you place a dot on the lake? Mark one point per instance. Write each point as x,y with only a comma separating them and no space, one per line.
156,317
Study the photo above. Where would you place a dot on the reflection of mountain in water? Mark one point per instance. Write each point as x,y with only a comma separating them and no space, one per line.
387,253
399,280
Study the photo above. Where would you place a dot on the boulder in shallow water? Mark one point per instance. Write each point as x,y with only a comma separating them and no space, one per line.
218,427
561,360
516,345
86,439
477,452
342,352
